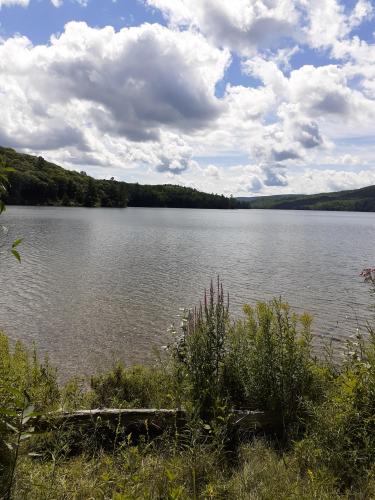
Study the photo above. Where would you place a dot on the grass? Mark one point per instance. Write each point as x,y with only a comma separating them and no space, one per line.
133,473
322,447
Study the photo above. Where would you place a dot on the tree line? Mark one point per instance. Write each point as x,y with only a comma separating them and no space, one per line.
35,181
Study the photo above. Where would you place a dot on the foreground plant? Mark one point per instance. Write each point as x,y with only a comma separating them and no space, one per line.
261,362
17,422
200,350
4,184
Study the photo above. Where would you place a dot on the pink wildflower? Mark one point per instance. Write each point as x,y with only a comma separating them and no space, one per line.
368,274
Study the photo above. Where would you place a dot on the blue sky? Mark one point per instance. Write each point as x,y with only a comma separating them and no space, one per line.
247,97
41,19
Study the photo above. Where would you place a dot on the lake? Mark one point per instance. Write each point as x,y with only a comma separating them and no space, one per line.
98,285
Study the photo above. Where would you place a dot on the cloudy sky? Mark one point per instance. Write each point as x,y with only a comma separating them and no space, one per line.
241,97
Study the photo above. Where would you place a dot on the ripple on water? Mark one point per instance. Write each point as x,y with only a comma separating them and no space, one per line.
99,285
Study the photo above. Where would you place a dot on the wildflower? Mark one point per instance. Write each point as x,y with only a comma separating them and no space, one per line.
368,274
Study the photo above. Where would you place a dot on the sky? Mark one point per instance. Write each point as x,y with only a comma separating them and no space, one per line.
240,97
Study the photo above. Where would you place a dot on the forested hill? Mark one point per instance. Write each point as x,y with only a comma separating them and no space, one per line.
357,200
35,181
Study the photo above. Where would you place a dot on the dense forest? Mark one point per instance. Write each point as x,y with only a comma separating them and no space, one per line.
357,200
35,181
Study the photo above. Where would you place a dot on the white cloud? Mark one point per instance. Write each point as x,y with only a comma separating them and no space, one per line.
241,25
212,171
140,84
315,180
146,97
25,3
8,3
307,108
363,10
246,26
59,3
250,180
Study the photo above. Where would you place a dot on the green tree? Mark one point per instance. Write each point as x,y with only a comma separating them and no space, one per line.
91,199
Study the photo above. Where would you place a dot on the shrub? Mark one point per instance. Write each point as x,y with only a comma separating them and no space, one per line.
134,387
269,365
262,362
200,351
341,435
20,371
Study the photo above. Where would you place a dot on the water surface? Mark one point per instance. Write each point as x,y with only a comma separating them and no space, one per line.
97,285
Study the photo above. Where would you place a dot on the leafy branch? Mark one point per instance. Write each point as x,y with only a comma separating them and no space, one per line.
18,425
4,183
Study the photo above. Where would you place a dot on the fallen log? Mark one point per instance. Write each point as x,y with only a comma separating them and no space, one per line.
154,420
247,420
139,418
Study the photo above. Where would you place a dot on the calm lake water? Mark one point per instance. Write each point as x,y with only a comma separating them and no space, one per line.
98,285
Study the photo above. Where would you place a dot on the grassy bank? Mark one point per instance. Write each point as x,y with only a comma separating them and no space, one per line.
321,446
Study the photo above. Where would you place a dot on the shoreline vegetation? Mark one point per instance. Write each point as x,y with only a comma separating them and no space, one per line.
321,443
35,181
355,200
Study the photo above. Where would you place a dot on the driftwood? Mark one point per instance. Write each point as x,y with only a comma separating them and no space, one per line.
152,420
132,419
246,420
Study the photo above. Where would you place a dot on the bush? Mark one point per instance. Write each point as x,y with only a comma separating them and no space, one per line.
269,365
134,387
262,362
20,371
341,435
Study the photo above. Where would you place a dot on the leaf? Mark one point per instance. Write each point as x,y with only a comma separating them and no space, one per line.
16,254
25,436
8,169
25,420
34,454
8,413
29,411
16,242
170,475
9,446
11,427
27,396
14,391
